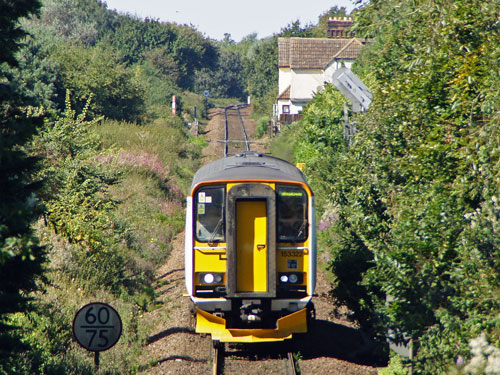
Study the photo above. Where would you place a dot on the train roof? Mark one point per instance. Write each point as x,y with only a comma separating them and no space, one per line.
248,165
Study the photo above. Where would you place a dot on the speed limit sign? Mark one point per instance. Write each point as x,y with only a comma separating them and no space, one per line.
97,326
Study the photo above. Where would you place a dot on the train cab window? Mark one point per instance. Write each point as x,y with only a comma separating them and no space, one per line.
292,214
209,214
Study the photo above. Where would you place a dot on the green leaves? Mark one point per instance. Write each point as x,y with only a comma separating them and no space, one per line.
78,207
97,71
418,189
21,257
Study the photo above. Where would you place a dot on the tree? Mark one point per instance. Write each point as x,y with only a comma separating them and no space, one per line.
226,80
21,257
414,203
97,71
320,31
294,29
132,37
261,71
38,74
66,20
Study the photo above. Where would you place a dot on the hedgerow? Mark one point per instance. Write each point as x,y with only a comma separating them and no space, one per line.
414,239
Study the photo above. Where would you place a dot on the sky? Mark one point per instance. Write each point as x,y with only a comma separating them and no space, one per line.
214,18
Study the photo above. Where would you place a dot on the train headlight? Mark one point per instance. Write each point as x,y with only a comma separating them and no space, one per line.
211,278
291,278
208,278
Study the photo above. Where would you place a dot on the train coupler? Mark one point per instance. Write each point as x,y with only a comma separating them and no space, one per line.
251,312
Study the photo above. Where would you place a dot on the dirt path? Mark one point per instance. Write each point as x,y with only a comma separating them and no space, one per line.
332,346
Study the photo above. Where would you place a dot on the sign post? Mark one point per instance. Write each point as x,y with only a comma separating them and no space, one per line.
97,327
356,92
353,89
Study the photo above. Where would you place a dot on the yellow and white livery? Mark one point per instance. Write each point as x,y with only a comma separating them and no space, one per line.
250,249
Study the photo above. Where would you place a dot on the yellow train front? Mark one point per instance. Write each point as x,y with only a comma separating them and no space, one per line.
250,260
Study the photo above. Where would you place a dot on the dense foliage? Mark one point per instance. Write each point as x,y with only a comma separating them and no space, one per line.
113,159
412,211
21,257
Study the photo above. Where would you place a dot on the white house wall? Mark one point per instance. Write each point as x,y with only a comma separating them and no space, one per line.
296,107
285,79
305,83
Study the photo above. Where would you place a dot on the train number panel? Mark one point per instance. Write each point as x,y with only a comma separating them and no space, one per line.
250,252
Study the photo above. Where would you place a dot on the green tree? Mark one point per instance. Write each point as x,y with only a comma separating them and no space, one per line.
132,37
79,208
85,21
192,52
21,257
226,80
320,31
294,29
413,205
261,71
97,71
185,47
38,75
66,20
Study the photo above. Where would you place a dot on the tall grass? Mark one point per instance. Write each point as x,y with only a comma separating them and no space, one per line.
166,142
155,163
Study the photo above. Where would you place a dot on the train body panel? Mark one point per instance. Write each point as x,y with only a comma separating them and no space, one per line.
250,248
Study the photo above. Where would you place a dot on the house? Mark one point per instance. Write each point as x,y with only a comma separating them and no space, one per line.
306,64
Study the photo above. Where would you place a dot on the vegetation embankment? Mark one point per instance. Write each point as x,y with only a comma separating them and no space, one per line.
94,166
411,212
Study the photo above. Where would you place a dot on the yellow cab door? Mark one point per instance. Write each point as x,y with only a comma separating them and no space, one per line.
251,246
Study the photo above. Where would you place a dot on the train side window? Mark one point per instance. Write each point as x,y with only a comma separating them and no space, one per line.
210,214
292,214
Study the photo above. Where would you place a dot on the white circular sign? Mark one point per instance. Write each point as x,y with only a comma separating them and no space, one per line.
97,326
206,93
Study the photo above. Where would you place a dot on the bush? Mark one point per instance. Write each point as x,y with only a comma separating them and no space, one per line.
415,235
262,127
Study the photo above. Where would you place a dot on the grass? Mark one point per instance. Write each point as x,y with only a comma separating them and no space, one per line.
155,162
283,145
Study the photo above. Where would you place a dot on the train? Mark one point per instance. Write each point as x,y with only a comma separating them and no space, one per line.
250,249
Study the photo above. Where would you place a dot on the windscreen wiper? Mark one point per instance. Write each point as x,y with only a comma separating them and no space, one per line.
217,227
301,230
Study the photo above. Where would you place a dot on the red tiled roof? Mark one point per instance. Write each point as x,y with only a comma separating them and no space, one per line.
283,52
316,53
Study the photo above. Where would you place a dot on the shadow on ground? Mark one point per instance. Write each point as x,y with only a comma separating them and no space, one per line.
328,339
168,332
324,339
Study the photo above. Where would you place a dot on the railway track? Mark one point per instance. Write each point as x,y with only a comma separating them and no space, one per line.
221,361
257,358
236,138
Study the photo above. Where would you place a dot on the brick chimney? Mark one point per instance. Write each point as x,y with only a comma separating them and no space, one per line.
338,28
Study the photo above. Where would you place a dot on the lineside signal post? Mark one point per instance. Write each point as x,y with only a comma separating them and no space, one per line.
97,327
356,92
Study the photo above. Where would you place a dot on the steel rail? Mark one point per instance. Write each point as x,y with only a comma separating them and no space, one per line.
217,354
291,365
245,136
226,133
245,140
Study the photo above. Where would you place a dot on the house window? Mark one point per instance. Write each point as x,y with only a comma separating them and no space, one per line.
286,109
